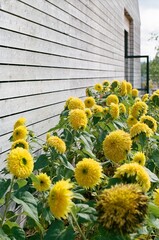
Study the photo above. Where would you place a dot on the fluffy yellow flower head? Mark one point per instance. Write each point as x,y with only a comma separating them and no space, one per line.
139,128
20,132
139,158
98,87
150,121
122,208
89,102
135,92
129,88
115,84
138,109
156,197
57,143
131,121
106,83
88,112
43,182
122,108
20,143
20,122
112,98
157,91
60,199
123,88
114,110
20,163
145,97
134,173
97,109
116,145
75,103
88,173
154,98
78,119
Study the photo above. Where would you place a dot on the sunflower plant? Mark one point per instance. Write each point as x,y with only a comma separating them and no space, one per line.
96,176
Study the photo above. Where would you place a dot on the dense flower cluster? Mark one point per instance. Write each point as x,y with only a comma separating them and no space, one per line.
95,174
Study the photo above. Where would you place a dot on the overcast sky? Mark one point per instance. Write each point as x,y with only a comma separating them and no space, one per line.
149,14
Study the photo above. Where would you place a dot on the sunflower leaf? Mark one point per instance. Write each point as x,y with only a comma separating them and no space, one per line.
58,231
29,205
4,184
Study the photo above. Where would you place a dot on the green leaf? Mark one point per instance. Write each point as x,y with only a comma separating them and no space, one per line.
3,236
88,152
57,231
78,196
153,209
4,184
66,163
113,181
96,120
41,162
155,157
103,234
153,177
142,139
21,182
29,205
18,233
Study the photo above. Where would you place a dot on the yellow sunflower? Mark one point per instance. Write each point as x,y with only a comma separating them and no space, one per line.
116,145
123,88
139,158
20,132
122,108
114,84
97,109
134,173
156,197
98,87
75,103
122,208
60,199
20,163
145,97
88,173
57,143
89,102
20,122
150,121
112,98
139,128
67,101
138,109
106,83
114,110
135,92
129,87
42,182
131,121
78,119
88,112
154,98
20,143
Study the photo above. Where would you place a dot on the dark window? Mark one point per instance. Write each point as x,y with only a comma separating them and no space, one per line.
126,42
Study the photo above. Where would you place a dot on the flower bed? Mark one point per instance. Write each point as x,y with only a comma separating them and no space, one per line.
97,176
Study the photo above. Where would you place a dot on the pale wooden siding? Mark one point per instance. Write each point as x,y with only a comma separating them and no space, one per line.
53,49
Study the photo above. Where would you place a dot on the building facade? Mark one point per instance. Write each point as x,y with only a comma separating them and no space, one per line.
51,50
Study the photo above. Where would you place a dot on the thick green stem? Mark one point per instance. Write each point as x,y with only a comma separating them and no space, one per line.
77,225
7,201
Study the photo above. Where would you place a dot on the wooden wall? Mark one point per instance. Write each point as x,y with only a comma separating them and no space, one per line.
53,49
